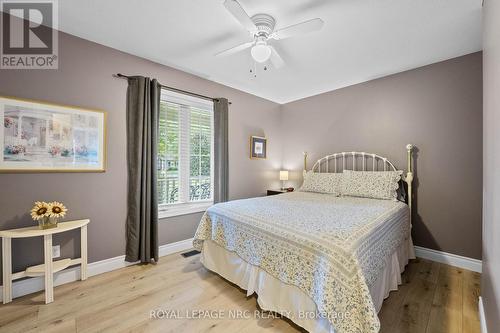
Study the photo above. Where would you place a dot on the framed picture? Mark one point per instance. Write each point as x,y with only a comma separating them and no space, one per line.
42,137
258,147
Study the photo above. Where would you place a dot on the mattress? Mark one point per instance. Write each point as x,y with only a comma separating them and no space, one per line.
332,249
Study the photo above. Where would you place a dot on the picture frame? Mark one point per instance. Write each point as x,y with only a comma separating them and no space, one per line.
258,147
39,136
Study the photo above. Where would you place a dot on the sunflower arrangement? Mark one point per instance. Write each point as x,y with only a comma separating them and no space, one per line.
48,214
40,210
57,210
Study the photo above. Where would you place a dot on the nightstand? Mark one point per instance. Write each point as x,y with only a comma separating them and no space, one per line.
274,192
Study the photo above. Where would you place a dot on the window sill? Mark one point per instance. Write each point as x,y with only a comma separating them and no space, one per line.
183,209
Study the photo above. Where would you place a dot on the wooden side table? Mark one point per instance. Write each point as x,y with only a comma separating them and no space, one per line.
49,267
274,192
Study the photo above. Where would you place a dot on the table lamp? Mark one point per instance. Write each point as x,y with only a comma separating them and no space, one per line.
283,178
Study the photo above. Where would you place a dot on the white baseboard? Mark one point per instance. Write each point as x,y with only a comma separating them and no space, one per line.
31,285
482,317
183,245
449,259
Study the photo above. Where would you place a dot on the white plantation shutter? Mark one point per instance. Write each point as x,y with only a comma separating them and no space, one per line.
168,150
185,154
201,153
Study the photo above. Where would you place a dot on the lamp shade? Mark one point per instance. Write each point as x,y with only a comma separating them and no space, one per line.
283,175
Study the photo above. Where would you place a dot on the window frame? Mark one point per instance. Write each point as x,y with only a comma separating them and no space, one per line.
185,206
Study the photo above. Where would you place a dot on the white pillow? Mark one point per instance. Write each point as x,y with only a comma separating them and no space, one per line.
322,183
371,184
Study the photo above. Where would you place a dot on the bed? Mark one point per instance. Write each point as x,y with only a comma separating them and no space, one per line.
324,261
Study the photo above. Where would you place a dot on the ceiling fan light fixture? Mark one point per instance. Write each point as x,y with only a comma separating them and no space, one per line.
261,52
262,27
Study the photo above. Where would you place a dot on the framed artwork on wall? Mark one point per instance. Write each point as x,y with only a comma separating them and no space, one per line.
42,137
258,147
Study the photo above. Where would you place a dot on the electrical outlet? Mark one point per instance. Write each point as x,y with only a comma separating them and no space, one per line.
56,251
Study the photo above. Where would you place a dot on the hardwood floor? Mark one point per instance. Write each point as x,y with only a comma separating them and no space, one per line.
433,298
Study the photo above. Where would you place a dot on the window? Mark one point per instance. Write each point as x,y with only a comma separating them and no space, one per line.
185,154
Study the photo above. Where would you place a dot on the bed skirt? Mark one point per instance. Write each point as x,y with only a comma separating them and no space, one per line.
288,300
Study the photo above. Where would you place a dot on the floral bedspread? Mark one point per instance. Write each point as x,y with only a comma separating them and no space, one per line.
332,248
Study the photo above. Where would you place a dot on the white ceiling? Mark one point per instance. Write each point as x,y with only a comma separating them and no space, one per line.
361,39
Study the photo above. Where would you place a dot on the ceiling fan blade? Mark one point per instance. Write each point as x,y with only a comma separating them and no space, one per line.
276,59
235,49
298,29
240,15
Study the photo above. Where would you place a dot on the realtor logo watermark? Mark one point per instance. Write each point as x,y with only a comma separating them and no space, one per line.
29,34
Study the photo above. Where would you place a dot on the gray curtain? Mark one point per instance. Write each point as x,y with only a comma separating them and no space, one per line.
143,102
221,164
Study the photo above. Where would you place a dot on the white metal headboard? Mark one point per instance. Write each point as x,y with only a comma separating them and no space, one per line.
361,161
358,161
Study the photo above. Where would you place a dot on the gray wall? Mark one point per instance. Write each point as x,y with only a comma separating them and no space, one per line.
490,284
439,109
84,78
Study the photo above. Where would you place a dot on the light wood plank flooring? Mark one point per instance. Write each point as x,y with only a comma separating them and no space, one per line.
433,298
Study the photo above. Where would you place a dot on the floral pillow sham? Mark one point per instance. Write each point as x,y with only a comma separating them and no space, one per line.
371,184
322,182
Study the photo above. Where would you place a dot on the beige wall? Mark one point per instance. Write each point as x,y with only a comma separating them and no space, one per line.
490,284
84,78
438,108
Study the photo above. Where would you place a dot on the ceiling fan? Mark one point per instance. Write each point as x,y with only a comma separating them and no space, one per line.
261,27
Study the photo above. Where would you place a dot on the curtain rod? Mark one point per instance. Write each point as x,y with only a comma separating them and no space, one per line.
122,76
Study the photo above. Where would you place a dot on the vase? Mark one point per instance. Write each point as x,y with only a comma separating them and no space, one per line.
47,223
